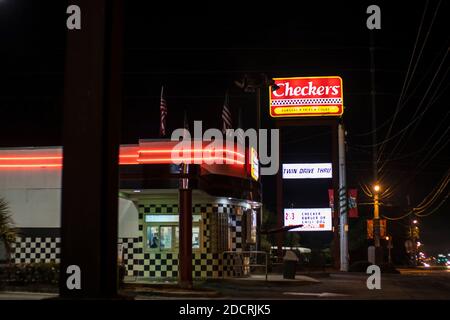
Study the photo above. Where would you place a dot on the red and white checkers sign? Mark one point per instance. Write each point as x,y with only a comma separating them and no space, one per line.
307,96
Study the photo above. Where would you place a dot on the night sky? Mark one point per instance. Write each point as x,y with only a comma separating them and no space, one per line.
197,51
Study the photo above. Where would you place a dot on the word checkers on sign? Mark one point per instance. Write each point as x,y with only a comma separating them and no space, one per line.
306,97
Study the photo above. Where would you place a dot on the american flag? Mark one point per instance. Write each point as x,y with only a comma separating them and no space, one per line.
185,121
226,115
163,111
240,135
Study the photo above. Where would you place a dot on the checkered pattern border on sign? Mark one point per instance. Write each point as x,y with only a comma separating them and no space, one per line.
36,250
307,101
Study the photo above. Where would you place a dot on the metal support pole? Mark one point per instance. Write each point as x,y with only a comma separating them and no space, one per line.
343,208
376,229
185,204
91,126
336,179
280,206
376,220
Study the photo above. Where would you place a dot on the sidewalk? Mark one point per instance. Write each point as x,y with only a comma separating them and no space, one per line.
211,287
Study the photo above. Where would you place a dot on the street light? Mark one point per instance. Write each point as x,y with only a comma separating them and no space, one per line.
415,221
376,223
376,188
389,246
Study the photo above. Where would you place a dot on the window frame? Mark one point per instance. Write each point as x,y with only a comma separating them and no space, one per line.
175,245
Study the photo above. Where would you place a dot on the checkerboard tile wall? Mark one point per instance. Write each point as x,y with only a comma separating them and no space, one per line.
219,221
133,256
36,250
236,232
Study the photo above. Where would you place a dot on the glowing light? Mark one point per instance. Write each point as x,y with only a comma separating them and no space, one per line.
31,158
188,160
130,156
192,150
43,165
415,221
426,265
376,188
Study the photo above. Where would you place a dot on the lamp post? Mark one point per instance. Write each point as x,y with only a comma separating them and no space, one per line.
389,246
376,223
414,235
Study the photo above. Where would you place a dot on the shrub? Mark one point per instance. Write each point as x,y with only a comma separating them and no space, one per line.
39,273
7,227
32,273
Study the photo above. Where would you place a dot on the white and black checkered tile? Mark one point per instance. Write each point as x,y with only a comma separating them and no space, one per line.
218,221
306,101
133,256
207,263
36,250
236,232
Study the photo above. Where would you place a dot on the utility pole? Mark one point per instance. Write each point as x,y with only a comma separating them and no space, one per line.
343,212
376,215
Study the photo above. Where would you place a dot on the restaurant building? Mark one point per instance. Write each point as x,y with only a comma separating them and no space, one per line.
226,207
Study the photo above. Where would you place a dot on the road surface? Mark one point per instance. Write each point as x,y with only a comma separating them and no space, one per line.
410,284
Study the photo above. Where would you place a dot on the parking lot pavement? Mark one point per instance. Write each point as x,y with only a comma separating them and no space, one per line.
15,295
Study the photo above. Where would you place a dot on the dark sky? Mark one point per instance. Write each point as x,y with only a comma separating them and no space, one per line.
196,51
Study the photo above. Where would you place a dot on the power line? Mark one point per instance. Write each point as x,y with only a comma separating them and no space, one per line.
431,102
408,98
397,109
425,204
425,145
415,118
435,209
424,42
434,194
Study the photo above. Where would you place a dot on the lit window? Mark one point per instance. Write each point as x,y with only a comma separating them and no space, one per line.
166,237
152,237
162,232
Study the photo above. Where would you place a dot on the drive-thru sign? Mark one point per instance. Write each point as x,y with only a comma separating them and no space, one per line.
313,219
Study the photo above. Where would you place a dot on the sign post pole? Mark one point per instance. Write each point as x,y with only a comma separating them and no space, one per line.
343,208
